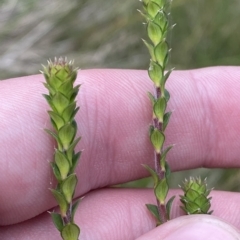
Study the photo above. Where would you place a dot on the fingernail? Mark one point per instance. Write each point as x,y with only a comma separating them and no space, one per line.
203,230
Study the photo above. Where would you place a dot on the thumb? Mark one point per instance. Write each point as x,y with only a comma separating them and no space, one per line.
197,227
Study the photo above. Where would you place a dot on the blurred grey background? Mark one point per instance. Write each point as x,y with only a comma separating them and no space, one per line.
107,34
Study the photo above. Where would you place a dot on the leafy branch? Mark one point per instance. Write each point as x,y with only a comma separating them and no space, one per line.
157,25
60,77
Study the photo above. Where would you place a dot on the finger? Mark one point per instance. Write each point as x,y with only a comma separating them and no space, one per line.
26,149
195,227
121,214
114,121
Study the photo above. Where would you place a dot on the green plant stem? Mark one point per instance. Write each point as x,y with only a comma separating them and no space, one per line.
60,77
162,212
155,14
160,172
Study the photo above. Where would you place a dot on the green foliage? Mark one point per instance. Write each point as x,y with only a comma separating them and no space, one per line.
163,156
169,206
153,174
70,232
157,138
60,198
62,164
74,208
195,199
68,187
159,108
60,77
153,209
57,220
155,14
166,119
161,190
161,53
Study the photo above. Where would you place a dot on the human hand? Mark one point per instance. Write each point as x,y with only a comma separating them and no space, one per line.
113,122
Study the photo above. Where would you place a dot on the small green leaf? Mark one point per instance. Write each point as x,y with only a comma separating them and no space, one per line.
161,190
68,187
166,119
145,14
191,194
62,70
157,139
49,101
71,149
169,206
56,172
166,94
65,88
161,20
159,108
198,187
57,220
155,73
151,129
58,121
154,32
205,207
70,232
150,49
153,173
166,76
163,156
166,60
74,92
67,114
61,202
75,161
56,138
67,133
45,73
154,211
53,134
152,98
201,200
62,163
50,89
192,208
74,112
60,102
74,208
160,52
54,82
152,9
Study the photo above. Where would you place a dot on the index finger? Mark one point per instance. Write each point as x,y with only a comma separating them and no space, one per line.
113,121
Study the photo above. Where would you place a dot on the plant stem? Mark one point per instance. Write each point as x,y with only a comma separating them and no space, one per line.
155,14
161,175
162,212
60,77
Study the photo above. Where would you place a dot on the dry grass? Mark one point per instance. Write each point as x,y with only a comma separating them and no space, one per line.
107,33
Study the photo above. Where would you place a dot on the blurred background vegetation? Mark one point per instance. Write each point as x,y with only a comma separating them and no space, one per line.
107,34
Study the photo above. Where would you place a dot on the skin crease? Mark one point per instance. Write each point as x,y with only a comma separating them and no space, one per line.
113,122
